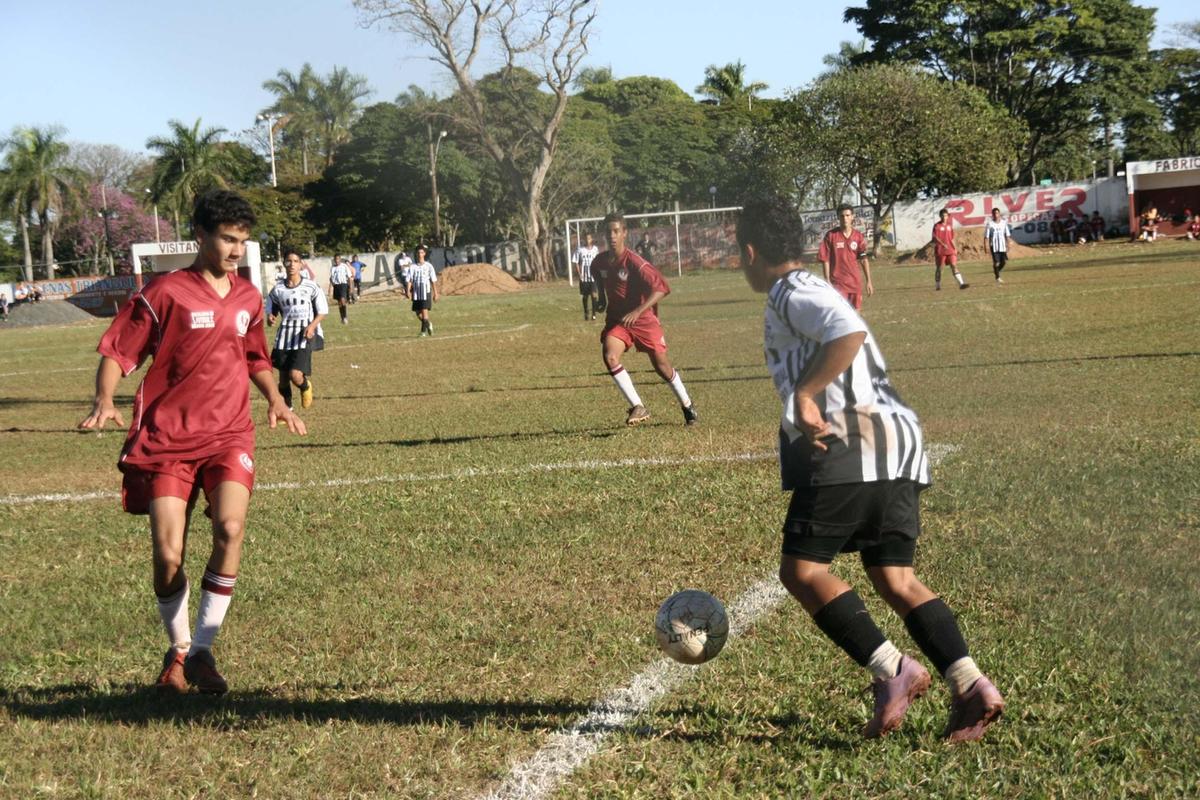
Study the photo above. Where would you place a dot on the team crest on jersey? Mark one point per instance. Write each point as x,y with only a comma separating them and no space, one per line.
247,462
243,322
854,245
203,319
622,274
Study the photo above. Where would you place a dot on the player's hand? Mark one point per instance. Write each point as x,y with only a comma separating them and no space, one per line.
870,289
630,319
278,412
102,413
810,422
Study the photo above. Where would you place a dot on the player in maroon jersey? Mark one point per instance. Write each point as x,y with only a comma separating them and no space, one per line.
843,251
191,427
944,251
633,288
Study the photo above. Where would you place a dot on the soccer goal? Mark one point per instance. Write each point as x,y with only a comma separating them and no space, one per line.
704,238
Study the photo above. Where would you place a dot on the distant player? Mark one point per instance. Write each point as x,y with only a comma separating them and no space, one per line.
944,251
634,287
301,304
997,232
583,257
1193,229
340,277
842,254
853,456
402,265
191,428
421,285
358,268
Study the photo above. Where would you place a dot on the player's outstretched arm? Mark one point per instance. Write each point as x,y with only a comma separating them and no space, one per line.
108,375
832,359
277,410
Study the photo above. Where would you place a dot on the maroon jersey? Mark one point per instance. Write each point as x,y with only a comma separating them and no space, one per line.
628,281
195,399
943,237
842,253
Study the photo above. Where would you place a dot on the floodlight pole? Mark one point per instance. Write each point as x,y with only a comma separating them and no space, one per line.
434,149
270,120
570,272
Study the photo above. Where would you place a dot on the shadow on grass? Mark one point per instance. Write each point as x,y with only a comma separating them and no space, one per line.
140,705
1061,360
483,437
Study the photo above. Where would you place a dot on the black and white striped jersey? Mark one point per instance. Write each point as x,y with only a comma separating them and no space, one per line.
340,273
297,306
584,257
997,234
874,436
423,277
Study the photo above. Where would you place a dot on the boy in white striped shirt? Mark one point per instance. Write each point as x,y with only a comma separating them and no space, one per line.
852,453
301,305
997,232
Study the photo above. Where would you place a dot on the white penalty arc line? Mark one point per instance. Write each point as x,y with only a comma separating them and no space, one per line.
375,343
569,748
468,472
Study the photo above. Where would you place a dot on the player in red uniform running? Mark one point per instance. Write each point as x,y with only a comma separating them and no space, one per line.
633,288
944,251
191,425
843,251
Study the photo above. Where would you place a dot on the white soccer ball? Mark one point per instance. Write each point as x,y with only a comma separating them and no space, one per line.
691,626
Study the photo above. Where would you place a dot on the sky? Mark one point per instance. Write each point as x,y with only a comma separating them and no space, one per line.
116,72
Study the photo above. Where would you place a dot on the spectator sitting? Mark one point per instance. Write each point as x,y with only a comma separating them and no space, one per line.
1148,225
1193,229
1057,235
1097,223
1069,229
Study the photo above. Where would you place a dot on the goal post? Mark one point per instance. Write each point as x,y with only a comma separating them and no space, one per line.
696,238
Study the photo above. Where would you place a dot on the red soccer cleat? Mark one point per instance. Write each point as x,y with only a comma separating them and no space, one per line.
171,680
200,671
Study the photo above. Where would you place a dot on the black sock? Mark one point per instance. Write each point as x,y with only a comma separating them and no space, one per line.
285,389
847,623
342,311
304,386
935,630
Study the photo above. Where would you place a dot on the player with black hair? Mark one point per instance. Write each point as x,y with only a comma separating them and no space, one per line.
633,288
842,254
191,429
301,304
852,454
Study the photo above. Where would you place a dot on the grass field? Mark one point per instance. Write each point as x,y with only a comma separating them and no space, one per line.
478,546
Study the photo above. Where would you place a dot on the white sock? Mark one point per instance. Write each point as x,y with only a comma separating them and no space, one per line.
962,674
958,277
625,384
885,661
678,388
215,595
173,610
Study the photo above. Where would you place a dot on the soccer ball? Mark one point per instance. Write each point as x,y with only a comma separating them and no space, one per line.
691,626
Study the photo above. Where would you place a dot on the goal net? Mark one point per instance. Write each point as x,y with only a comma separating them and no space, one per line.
692,240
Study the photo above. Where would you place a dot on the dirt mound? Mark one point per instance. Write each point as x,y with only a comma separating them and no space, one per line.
47,312
971,247
476,279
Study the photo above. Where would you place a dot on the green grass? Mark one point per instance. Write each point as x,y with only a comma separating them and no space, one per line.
415,635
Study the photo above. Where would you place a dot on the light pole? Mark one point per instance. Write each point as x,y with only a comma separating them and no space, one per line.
434,148
270,120
1097,194
157,238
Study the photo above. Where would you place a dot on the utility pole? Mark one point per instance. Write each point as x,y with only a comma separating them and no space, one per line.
434,148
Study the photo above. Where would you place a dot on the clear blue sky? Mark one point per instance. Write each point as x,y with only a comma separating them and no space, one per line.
115,72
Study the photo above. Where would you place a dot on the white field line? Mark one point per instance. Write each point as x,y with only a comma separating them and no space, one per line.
567,749
424,477
45,371
414,339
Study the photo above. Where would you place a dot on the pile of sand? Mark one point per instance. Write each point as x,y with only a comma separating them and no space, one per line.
476,279
47,312
971,246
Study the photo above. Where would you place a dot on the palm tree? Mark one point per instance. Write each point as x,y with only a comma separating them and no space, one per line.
38,180
335,101
188,163
727,84
295,106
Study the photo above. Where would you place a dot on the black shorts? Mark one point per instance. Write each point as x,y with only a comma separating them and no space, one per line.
341,291
999,258
422,305
587,288
881,519
287,360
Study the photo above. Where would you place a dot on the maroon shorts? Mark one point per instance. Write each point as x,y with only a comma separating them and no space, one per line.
646,334
946,261
184,479
853,298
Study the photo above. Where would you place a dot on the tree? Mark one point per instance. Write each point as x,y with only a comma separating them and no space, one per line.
550,37
335,103
38,179
105,164
108,220
592,76
1057,66
296,108
189,162
727,84
892,132
1178,98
